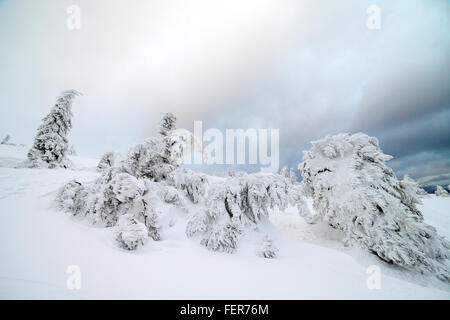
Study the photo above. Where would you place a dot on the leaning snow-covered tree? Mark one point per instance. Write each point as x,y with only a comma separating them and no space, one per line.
50,144
354,191
441,192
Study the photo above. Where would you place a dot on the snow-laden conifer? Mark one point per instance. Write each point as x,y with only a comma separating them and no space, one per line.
50,145
238,204
284,171
293,176
354,191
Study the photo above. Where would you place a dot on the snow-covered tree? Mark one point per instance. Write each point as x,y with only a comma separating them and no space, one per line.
192,184
50,144
108,160
72,198
413,187
136,192
181,146
354,191
167,124
441,192
148,160
238,204
6,140
292,176
284,171
289,173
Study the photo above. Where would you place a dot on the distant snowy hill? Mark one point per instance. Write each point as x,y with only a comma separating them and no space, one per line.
432,189
39,243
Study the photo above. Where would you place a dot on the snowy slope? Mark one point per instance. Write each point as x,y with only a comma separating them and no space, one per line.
38,243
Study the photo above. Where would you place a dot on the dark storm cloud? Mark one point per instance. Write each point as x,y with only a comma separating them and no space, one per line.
422,164
409,111
405,95
431,132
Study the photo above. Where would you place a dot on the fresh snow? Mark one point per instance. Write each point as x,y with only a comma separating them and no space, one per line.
39,243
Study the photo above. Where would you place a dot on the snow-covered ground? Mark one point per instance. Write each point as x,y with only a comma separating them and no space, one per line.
38,244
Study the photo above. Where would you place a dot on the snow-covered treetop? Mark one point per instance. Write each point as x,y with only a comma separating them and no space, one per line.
345,144
337,156
148,160
167,124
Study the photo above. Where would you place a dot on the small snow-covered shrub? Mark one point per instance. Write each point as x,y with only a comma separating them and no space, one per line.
441,192
131,233
222,237
354,191
72,198
267,250
115,197
197,225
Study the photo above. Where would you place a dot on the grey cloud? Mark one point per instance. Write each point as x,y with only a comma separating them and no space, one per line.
441,179
422,164
309,68
405,95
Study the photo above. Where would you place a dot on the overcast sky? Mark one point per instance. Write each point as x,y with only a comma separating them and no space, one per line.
309,68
